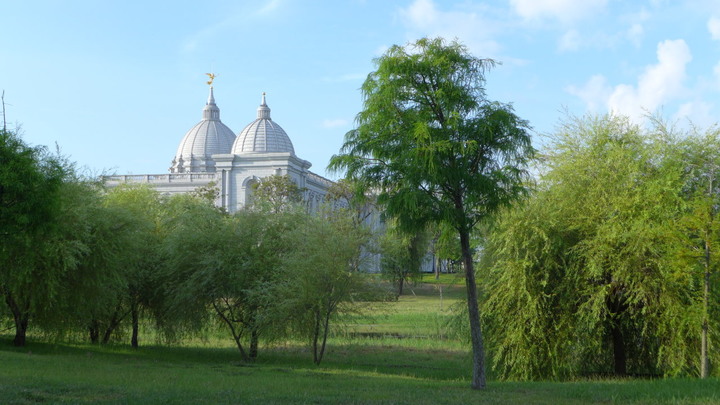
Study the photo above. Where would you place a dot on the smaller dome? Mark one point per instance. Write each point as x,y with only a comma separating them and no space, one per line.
208,137
262,135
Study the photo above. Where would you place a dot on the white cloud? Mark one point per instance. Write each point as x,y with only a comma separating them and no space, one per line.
421,13
635,34
636,30
657,85
562,10
570,41
334,123
467,24
699,113
713,26
594,93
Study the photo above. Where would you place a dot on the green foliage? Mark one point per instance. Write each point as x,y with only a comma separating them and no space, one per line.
29,183
30,201
141,209
88,249
192,229
276,193
698,230
349,195
319,282
428,140
436,150
402,255
209,192
587,275
223,265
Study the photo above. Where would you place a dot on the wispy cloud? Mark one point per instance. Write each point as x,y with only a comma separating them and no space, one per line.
713,26
349,77
468,22
659,83
561,10
334,123
233,20
570,41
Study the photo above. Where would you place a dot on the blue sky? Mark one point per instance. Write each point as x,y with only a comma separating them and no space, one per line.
116,84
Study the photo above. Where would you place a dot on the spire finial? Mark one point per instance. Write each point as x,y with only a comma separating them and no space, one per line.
211,97
263,110
211,110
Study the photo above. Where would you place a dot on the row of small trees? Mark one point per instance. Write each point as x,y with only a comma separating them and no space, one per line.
79,259
608,265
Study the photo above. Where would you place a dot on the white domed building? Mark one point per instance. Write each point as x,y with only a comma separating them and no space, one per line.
208,137
211,153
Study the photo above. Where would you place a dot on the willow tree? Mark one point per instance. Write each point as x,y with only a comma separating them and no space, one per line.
700,226
141,258
30,201
319,282
437,150
592,274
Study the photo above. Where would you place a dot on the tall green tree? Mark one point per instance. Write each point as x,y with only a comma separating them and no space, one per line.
92,242
319,282
220,266
30,182
436,149
143,209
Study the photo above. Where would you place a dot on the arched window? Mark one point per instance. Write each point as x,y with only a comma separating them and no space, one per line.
249,186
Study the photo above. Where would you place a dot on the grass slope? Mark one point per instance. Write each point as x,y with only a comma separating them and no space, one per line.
402,356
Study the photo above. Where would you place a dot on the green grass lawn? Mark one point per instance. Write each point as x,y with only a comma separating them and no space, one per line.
400,356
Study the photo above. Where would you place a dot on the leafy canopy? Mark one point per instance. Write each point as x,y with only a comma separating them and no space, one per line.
430,142
436,150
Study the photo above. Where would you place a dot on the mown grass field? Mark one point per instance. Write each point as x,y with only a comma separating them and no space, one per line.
404,354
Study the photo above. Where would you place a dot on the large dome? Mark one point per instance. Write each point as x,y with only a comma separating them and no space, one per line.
262,135
208,137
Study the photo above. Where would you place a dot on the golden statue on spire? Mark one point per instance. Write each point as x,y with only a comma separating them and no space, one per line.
212,77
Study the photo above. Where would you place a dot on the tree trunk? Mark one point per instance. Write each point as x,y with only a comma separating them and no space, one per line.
401,283
704,357
478,378
134,314
109,331
619,356
316,337
324,339
254,339
21,320
233,331
114,323
94,330
20,331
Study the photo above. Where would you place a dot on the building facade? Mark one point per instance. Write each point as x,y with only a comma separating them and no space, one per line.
211,153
